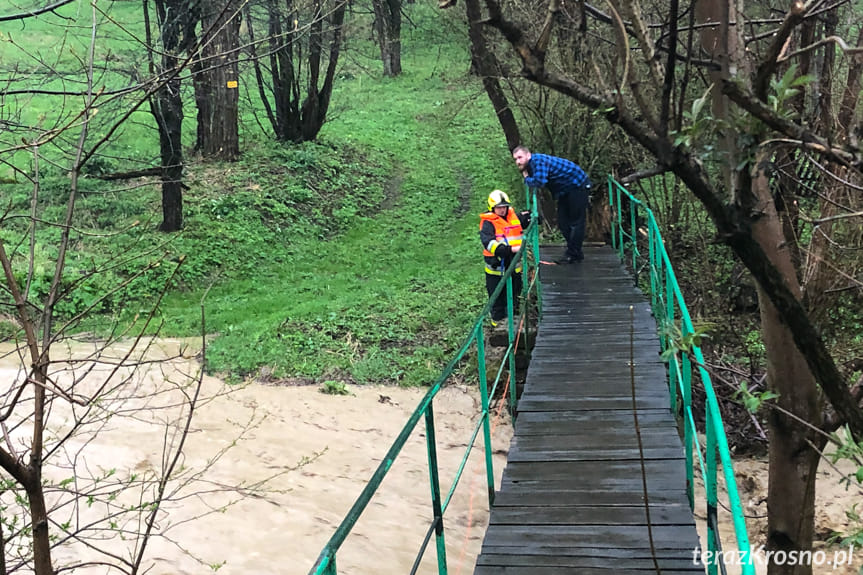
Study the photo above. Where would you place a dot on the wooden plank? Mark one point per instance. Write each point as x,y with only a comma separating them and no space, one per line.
576,419
559,402
532,570
559,561
572,470
539,551
584,390
571,499
598,536
551,427
574,497
595,454
623,482
665,514
590,439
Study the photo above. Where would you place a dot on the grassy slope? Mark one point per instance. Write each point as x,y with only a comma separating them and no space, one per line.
354,258
390,298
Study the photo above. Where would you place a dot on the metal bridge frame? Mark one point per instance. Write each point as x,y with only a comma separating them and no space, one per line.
677,338
326,562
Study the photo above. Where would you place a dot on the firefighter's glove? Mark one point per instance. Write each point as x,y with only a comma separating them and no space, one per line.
503,251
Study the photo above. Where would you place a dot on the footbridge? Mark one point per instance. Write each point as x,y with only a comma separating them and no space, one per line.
606,467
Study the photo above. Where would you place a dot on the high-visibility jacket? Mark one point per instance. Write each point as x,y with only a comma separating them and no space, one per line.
506,231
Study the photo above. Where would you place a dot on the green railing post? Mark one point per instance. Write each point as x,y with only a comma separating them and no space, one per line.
689,438
727,469
612,194
621,246
633,208
534,241
680,377
669,324
710,492
511,339
484,402
434,480
652,251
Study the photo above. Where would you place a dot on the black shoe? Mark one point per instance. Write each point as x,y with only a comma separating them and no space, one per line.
567,260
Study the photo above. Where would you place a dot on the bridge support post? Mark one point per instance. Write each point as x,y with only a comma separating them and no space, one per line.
710,489
686,374
513,384
435,490
669,319
484,403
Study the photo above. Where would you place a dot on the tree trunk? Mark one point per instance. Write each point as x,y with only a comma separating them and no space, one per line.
167,108
487,66
39,518
217,82
313,112
793,462
169,117
722,45
284,81
388,26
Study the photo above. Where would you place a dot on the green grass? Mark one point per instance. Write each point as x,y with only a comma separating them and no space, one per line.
389,299
352,259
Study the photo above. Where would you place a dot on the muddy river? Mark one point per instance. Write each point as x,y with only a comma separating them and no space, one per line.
315,453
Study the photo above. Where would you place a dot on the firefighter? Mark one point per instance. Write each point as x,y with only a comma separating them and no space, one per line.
500,231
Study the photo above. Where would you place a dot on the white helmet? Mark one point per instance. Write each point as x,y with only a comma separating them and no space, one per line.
497,198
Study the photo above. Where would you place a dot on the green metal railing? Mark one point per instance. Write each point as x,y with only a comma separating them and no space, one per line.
674,321
326,563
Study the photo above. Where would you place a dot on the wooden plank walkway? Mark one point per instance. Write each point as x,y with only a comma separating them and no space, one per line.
571,498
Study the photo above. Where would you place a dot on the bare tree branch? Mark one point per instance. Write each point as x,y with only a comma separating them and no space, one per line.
775,122
36,12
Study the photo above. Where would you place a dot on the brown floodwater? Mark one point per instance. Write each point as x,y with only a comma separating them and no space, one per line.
315,453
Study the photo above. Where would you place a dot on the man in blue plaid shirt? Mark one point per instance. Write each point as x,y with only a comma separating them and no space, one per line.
569,185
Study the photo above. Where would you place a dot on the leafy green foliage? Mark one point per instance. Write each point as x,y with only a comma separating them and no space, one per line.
699,123
331,387
851,451
678,342
782,90
753,401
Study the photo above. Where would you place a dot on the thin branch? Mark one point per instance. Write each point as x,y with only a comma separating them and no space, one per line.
668,84
649,173
37,12
646,43
623,50
768,66
820,221
828,40
757,108
178,454
548,25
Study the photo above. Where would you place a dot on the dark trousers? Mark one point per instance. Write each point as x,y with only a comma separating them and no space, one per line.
498,308
572,220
